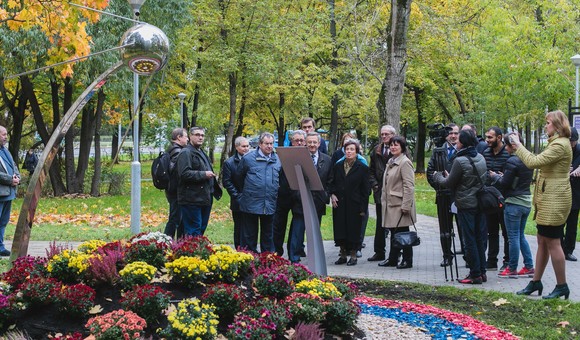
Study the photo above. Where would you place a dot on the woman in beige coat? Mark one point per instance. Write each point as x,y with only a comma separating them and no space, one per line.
552,201
398,200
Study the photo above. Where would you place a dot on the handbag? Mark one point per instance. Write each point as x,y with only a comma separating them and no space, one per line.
406,239
489,199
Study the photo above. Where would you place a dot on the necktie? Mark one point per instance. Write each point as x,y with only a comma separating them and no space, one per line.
313,159
450,152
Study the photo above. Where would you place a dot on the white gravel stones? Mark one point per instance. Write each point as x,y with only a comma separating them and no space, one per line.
379,328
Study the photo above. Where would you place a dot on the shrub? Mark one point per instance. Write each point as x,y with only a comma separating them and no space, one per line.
90,246
147,301
317,287
75,300
137,273
192,320
155,236
228,300
245,327
348,289
309,331
226,265
272,312
268,261
188,270
148,251
190,246
116,325
273,283
69,266
5,310
24,268
340,316
39,290
298,272
306,308
103,268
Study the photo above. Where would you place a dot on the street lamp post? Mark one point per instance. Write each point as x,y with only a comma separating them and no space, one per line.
576,61
181,97
136,165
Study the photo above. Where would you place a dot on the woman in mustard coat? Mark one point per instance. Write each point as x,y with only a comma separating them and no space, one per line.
552,201
398,200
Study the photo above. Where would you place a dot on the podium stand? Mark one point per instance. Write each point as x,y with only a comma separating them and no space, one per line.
302,176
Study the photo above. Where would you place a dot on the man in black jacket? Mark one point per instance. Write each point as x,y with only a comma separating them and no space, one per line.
379,157
323,166
197,184
569,240
174,227
495,157
230,183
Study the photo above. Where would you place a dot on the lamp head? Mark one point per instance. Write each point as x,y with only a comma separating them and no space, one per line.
181,95
136,6
147,49
576,60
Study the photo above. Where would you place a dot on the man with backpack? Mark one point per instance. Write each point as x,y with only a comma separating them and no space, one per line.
197,184
174,227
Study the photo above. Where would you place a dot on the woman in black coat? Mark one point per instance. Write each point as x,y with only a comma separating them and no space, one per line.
349,188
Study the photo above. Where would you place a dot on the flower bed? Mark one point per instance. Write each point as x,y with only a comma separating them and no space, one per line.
153,285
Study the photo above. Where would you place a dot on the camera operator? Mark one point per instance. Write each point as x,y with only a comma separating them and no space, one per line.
444,197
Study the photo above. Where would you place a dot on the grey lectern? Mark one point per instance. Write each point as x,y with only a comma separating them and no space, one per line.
302,176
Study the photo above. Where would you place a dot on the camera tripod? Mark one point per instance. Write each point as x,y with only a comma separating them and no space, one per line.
445,218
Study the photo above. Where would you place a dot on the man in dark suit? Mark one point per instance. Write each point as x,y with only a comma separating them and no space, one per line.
323,165
379,157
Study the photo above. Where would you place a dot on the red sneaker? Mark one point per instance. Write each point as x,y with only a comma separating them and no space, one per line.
526,272
471,280
507,272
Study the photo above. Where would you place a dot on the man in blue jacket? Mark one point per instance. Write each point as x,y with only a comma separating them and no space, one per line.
197,184
259,172
9,180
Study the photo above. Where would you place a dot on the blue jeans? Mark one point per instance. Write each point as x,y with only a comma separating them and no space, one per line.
474,237
5,207
515,217
195,219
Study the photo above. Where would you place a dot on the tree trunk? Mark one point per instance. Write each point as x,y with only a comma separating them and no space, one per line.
96,181
233,81
281,120
421,132
334,66
17,114
391,95
69,138
56,181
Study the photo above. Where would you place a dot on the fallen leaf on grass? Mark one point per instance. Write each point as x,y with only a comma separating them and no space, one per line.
96,309
500,302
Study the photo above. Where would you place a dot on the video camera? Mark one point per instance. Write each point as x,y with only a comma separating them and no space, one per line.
438,133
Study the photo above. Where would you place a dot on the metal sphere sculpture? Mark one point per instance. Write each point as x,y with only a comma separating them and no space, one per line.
146,49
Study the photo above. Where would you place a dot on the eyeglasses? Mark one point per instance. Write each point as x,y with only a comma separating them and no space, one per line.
453,133
199,135
387,134
312,142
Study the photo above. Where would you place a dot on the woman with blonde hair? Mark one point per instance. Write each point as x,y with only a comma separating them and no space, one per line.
552,201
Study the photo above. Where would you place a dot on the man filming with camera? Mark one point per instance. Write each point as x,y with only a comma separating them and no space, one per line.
445,154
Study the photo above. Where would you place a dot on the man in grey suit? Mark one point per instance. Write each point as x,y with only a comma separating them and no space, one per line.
323,164
9,180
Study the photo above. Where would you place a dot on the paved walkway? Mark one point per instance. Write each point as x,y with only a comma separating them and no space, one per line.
426,267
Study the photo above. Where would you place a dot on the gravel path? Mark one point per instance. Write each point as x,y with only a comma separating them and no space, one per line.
376,327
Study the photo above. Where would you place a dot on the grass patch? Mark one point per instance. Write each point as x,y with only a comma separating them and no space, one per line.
525,317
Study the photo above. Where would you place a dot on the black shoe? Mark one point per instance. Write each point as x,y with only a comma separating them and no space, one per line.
571,257
387,263
560,290
491,266
483,277
532,287
376,257
341,260
302,253
405,265
446,262
352,261
5,252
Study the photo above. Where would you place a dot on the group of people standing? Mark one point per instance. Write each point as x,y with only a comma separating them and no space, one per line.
503,162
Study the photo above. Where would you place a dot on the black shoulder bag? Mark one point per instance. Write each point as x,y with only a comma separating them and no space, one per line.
489,199
406,239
